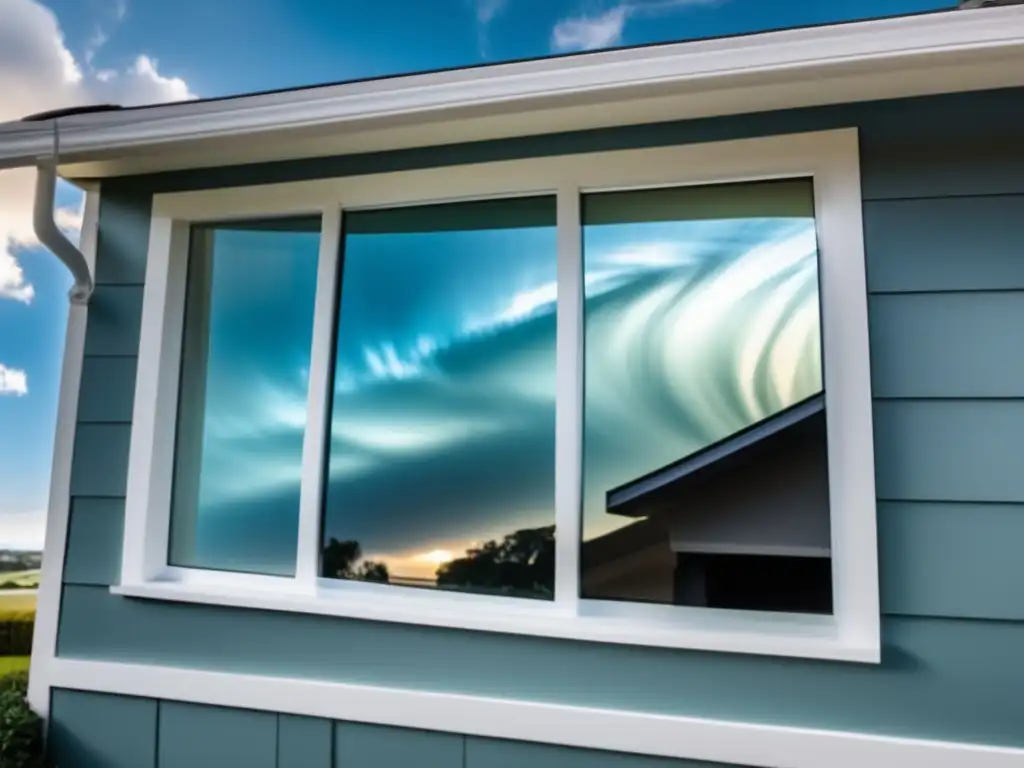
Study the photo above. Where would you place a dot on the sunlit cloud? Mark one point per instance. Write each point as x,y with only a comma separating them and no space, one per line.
13,381
38,72
591,31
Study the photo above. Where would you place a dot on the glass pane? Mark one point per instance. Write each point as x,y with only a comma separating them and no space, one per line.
705,464
242,413
441,461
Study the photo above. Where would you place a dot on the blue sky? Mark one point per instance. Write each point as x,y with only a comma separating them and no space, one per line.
137,51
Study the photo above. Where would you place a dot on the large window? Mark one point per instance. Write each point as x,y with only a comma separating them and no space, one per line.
620,397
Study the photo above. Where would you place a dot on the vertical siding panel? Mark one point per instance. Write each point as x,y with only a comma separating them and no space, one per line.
952,345
499,753
933,165
945,244
100,465
357,745
96,730
115,317
952,559
123,238
93,551
107,393
304,742
195,736
949,450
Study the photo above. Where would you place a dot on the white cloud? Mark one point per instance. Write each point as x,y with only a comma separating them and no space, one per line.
39,73
12,381
486,11
23,531
12,277
588,32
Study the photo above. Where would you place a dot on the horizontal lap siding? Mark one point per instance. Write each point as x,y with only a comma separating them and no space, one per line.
163,734
100,464
944,228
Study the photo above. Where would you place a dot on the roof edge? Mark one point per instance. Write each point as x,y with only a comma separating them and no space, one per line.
885,58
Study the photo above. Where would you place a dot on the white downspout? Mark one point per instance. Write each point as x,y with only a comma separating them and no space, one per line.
49,233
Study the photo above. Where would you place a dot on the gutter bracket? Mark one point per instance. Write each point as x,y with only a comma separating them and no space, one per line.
49,233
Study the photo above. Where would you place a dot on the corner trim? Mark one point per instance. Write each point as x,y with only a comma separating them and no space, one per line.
770,746
44,639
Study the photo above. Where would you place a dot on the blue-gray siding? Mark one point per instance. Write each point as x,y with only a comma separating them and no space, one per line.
943,182
100,731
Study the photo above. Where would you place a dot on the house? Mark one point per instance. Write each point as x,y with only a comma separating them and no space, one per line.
360,379
743,523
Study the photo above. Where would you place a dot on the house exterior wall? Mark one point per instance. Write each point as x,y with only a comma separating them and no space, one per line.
943,187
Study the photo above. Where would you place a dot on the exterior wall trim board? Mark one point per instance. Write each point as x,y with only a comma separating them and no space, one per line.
44,638
768,746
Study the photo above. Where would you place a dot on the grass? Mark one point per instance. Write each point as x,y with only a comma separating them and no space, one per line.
9,664
27,579
15,603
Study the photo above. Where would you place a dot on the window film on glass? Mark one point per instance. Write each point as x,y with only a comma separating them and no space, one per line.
242,397
705,476
440,466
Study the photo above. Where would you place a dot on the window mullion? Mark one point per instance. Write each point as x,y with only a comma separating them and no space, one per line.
319,399
569,399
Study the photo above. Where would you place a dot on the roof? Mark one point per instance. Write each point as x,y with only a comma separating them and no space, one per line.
886,58
768,435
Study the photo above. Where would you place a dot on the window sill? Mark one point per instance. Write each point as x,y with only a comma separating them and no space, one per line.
790,635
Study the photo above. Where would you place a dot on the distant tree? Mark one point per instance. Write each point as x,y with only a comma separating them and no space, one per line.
523,561
340,560
372,571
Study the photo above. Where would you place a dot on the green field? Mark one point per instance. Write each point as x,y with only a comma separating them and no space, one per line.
27,579
9,664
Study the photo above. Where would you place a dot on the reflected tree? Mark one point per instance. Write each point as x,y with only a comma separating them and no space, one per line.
522,562
341,560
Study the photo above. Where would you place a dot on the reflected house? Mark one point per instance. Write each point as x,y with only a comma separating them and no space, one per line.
743,523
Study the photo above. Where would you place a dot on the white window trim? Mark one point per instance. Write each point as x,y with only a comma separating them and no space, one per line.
830,157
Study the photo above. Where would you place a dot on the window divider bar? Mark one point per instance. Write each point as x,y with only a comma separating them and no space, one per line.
318,400
568,399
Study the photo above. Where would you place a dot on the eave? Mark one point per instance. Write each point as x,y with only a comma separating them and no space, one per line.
889,58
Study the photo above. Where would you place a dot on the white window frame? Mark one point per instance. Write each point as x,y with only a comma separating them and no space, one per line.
830,158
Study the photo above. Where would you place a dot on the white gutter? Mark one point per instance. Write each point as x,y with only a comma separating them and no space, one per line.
49,234
885,58
45,225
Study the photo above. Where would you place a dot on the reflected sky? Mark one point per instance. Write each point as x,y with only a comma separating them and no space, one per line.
248,335
442,431
443,415
694,331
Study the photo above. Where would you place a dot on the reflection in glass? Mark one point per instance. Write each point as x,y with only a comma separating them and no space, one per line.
705,470
441,458
242,400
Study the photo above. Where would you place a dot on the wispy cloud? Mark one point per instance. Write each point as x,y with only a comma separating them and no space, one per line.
486,12
13,381
101,33
602,29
